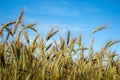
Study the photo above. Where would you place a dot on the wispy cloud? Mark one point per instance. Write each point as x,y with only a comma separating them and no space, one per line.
60,11
53,9
93,9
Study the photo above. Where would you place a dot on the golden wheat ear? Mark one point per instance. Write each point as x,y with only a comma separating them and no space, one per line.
48,47
30,26
62,42
107,44
35,39
98,29
72,42
5,26
110,43
79,42
51,33
113,42
26,36
68,37
8,24
0,32
18,21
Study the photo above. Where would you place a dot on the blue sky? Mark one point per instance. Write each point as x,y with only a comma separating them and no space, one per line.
78,16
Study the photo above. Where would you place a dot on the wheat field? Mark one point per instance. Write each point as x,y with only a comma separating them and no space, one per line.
54,60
